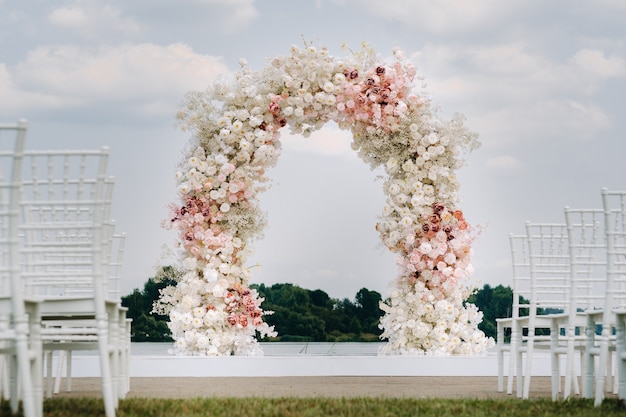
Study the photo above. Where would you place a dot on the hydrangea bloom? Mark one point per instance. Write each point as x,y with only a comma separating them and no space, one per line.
235,127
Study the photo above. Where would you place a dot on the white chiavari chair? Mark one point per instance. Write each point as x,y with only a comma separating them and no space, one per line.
124,327
600,346
620,351
587,279
121,368
66,235
20,339
521,292
549,292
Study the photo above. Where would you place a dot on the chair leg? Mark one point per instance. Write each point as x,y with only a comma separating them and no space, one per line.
529,369
500,369
25,373
14,389
108,391
615,369
555,378
570,383
68,372
519,374
601,372
575,383
609,372
4,368
509,382
49,357
583,372
589,360
513,360
60,362
37,380
621,370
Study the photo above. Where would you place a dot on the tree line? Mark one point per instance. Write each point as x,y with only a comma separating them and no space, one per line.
309,315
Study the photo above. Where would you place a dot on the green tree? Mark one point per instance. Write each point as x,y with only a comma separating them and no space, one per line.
301,314
146,325
367,310
307,315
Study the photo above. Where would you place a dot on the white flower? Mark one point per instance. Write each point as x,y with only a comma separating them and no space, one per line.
220,288
190,263
186,318
425,248
401,198
189,301
211,170
224,268
394,188
202,342
210,273
175,316
181,343
328,87
255,121
184,188
449,258
237,126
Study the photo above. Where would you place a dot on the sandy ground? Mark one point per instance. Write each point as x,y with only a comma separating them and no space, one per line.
336,386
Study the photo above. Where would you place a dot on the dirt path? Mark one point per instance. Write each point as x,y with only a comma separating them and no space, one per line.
338,386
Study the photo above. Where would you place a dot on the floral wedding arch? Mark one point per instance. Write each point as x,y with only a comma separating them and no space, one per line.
235,127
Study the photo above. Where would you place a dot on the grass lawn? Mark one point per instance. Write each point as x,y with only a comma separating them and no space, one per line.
324,407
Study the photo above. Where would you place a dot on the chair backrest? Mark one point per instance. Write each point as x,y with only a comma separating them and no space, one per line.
116,260
548,253
520,262
614,204
12,138
63,207
587,250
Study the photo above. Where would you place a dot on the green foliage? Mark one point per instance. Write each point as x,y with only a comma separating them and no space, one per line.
306,315
498,303
302,315
322,407
147,326
494,303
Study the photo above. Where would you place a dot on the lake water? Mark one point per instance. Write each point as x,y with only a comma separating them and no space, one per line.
280,348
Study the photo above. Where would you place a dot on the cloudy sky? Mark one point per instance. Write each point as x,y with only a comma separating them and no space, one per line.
543,83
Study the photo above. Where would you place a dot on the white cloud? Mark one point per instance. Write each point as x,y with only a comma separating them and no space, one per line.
515,93
330,140
505,164
144,74
597,63
230,15
328,273
442,16
516,70
610,4
547,119
14,101
90,18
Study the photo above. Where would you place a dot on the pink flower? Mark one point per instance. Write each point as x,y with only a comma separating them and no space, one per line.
351,74
274,108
